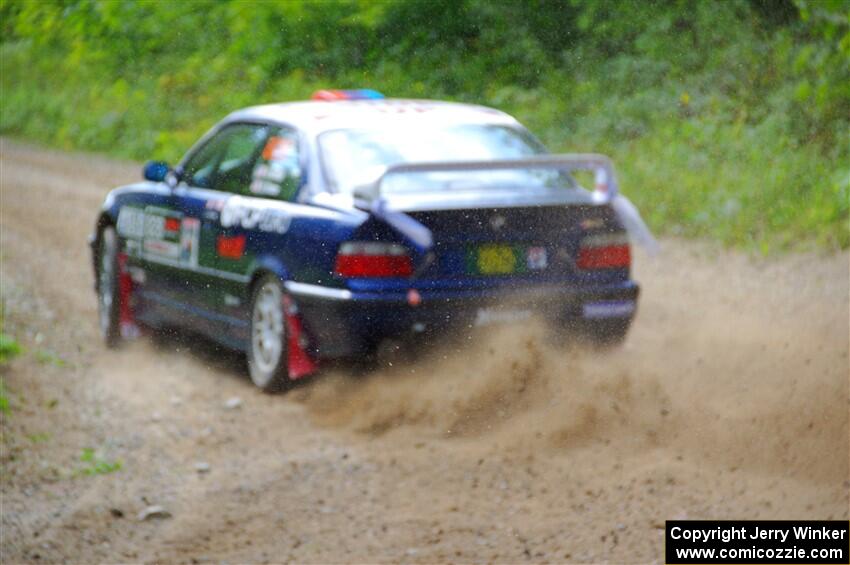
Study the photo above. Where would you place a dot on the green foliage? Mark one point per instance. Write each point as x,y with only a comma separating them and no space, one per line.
46,357
5,406
96,465
9,348
727,119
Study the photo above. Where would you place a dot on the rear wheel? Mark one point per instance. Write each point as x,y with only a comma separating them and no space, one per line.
267,354
107,287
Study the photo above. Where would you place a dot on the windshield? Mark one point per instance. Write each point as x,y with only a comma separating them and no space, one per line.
358,157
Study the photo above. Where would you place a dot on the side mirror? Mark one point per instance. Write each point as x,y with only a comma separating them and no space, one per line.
155,171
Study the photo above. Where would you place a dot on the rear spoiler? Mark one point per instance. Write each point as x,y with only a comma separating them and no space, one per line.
606,191
605,184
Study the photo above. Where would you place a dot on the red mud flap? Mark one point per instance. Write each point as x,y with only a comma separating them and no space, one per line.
299,361
126,318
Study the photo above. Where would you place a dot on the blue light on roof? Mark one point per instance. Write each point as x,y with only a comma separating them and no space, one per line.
358,94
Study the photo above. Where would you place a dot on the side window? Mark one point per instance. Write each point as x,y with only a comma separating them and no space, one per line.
277,172
226,160
233,173
199,168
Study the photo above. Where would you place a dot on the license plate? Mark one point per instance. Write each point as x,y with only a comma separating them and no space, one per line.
495,260
488,316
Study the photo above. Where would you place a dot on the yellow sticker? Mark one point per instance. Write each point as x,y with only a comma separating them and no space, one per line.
496,260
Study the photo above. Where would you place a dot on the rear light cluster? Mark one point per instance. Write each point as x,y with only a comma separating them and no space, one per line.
373,259
605,251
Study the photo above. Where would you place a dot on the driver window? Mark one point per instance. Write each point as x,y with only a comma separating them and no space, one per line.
198,169
233,173
225,161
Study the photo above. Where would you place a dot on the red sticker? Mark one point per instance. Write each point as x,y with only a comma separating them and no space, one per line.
230,247
277,148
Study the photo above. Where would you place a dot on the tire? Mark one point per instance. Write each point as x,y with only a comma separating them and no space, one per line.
267,347
107,287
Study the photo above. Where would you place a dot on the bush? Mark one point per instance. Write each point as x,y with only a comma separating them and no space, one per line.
728,120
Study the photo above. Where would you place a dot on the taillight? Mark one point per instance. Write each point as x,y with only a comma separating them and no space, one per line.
606,251
373,259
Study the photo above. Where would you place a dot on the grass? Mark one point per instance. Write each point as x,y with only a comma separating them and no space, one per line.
5,405
46,357
94,464
9,348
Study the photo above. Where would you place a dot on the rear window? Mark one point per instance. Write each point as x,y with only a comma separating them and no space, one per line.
358,157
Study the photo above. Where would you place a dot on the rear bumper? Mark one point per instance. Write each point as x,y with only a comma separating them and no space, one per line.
344,323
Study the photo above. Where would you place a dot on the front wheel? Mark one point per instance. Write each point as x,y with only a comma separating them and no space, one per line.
107,287
267,354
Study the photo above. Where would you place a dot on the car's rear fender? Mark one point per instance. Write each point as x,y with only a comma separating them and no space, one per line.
266,264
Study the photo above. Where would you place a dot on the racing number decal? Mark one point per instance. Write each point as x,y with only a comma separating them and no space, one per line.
160,233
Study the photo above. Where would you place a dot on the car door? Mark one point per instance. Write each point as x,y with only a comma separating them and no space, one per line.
173,233
255,216
208,178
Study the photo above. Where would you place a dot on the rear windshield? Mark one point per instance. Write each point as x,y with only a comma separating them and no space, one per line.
358,157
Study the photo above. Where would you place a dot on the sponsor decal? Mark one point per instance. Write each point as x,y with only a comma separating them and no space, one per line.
167,249
496,259
159,232
230,300
278,165
265,187
250,214
230,247
537,258
190,233
278,148
215,204
131,223
154,223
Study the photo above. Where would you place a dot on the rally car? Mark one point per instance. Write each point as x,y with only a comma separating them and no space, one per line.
307,231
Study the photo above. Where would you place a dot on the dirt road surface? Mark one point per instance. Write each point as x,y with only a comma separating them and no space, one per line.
729,400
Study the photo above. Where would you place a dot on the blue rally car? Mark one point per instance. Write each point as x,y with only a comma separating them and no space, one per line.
307,231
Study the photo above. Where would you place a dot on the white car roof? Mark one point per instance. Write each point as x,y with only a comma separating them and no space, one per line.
316,117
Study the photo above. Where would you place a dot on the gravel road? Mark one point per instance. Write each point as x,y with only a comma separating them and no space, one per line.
729,400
